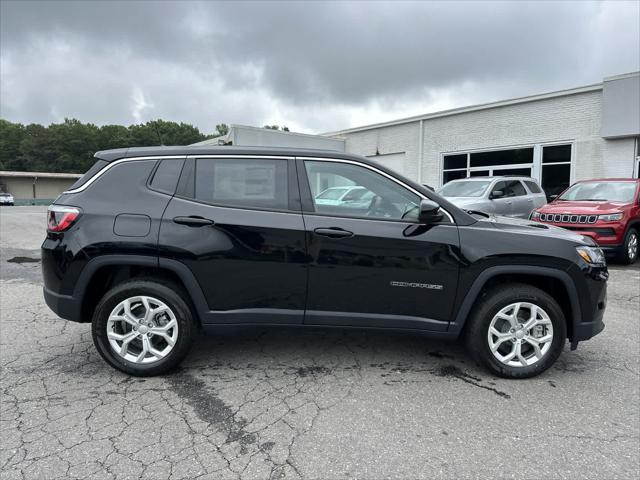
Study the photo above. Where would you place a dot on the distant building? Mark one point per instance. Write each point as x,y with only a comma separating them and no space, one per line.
245,136
35,187
556,137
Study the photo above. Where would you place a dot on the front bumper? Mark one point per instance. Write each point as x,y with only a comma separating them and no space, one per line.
607,235
593,303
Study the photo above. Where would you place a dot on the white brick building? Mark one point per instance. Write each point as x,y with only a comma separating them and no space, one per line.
557,137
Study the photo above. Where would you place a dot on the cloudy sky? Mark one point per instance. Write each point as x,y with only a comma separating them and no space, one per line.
312,66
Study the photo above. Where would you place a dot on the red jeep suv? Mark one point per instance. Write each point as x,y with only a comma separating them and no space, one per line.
607,210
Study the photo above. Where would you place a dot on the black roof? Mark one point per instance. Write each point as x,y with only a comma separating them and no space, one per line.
118,153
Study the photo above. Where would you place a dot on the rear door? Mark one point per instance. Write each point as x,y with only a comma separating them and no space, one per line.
502,205
522,202
236,224
372,264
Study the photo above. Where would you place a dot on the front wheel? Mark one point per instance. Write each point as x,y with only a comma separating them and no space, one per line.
143,328
516,331
629,251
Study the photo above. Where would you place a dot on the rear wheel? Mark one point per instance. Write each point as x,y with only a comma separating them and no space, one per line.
143,328
516,331
629,251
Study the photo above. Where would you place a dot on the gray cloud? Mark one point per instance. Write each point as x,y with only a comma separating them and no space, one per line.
313,66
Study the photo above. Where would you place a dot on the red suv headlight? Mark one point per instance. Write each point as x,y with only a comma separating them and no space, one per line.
612,217
61,217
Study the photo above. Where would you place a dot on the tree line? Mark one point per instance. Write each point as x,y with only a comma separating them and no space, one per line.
69,146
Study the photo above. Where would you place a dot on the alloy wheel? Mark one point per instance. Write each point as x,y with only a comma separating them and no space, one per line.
520,334
632,246
142,329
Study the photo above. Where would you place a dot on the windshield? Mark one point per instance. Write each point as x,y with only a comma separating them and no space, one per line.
600,191
470,188
332,193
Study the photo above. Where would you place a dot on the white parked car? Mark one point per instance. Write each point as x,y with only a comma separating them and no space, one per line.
508,196
6,198
354,195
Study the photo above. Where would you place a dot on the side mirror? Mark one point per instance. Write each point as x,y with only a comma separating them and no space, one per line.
497,194
429,212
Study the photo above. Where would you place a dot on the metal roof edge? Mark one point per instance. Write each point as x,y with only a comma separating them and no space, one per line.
472,108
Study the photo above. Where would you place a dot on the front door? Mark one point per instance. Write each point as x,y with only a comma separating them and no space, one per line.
236,224
372,264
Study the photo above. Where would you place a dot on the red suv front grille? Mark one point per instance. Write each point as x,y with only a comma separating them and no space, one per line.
567,218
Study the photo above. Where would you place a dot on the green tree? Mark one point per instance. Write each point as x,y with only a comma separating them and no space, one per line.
69,146
221,129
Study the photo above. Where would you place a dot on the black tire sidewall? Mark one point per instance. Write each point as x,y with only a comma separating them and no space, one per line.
186,327
624,252
497,300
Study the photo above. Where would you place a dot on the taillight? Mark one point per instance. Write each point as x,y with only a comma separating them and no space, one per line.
60,217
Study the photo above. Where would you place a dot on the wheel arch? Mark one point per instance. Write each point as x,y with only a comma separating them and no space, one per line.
555,282
105,272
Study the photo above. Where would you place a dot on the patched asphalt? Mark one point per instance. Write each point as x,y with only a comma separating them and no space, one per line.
305,403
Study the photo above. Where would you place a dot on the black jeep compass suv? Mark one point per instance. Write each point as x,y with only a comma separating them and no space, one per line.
152,245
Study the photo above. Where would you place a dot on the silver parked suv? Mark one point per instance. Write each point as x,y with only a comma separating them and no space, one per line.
508,196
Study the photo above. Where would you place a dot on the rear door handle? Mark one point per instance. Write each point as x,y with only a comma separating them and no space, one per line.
333,232
193,221
530,200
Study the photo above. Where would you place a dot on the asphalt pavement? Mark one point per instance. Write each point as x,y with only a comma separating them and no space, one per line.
305,403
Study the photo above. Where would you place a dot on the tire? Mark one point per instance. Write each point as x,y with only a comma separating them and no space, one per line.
501,299
171,341
627,254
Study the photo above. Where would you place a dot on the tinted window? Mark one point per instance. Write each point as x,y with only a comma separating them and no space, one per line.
95,168
555,178
471,188
166,176
514,189
332,193
383,198
533,186
453,175
242,182
556,153
455,161
502,157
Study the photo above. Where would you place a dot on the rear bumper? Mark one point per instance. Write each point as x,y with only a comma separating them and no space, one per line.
65,306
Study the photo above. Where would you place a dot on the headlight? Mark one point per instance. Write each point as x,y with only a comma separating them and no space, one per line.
592,255
534,215
613,217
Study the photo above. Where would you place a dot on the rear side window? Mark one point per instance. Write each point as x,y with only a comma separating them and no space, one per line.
251,183
515,189
166,176
95,168
533,186
511,188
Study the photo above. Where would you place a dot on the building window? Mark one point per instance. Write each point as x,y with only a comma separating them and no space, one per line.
556,169
515,161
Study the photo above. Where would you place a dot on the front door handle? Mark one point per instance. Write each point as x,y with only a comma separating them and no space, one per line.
193,221
333,232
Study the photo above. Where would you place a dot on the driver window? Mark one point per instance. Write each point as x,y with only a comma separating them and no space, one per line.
350,190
